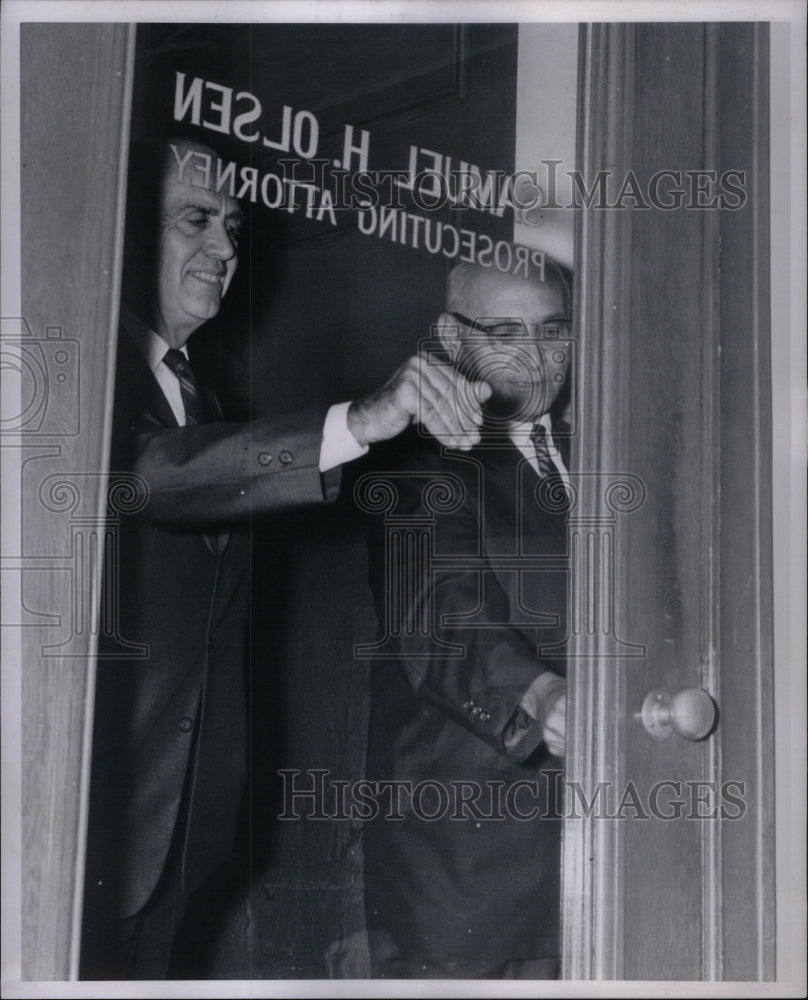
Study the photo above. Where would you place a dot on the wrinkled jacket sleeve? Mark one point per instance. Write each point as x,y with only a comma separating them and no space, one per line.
483,677
224,472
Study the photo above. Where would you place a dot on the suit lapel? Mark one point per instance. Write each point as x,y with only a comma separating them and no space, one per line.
511,478
525,543
139,381
561,437
136,374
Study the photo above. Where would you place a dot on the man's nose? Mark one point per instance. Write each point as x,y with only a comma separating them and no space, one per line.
219,244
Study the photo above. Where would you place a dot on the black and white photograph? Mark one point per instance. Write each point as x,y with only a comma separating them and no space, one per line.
403,448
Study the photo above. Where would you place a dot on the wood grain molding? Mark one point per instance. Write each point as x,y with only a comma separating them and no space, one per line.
75,92
592,852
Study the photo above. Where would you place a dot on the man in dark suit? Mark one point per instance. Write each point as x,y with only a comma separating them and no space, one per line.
169,753
468,569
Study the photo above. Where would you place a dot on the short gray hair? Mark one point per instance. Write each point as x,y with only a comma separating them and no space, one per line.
462,276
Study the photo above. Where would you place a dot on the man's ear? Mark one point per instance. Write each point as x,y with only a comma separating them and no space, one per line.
448,330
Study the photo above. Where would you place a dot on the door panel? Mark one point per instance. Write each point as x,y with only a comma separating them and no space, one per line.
673,326
75,87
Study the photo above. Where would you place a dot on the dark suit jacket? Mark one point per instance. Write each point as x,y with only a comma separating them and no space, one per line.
469,891
173,723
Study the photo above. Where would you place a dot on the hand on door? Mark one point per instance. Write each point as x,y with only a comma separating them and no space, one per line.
554,732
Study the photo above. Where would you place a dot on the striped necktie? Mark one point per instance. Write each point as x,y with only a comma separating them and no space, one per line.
193,399
197,411
547,466
553,494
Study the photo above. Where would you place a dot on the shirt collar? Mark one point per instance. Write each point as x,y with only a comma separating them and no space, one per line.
520,433
150,344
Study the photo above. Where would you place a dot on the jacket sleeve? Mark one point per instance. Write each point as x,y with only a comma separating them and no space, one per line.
458,640
220,473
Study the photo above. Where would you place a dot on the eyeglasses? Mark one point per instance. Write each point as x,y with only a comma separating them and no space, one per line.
509,328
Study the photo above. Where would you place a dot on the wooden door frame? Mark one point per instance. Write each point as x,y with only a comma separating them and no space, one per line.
72,213
57,698
592,860
594,866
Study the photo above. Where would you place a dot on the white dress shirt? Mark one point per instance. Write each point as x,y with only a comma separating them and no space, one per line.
520,435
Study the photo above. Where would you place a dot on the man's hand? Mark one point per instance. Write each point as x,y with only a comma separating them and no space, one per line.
554,732
435,395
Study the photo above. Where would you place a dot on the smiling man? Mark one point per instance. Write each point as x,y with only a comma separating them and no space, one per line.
170,741
196,257
468,700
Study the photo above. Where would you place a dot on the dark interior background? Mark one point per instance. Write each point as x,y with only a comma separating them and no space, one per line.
317,314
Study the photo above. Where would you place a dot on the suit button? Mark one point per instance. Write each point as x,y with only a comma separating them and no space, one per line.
264,458
285,457
186,724
468,705
485,716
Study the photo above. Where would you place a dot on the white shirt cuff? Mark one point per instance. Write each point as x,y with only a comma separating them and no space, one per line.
533,698
339,445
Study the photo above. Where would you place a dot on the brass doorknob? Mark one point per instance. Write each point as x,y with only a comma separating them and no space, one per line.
690,713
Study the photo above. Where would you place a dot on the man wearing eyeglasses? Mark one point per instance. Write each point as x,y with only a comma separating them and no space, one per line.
467,689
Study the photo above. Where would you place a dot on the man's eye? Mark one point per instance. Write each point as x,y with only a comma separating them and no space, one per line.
234,232
507,331
196,221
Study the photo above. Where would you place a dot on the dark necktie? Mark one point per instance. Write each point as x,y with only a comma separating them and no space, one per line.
547,466
193,399
197,411
553,494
